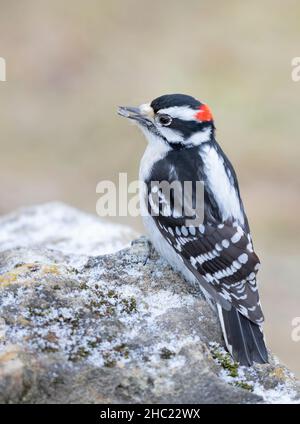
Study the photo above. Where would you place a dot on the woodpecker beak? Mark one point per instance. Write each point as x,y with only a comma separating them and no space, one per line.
129,112
142,114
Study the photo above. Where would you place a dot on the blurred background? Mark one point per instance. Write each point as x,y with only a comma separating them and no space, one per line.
71,62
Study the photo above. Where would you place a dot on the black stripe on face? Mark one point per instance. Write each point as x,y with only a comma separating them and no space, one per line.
188,128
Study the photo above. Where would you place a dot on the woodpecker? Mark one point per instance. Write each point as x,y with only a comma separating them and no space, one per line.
215,255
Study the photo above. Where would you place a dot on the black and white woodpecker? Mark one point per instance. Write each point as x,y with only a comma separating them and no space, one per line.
217,255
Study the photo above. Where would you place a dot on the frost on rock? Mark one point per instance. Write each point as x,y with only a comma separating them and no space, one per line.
279,387
121,327
61,227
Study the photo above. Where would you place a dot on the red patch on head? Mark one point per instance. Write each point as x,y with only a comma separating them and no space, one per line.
204,114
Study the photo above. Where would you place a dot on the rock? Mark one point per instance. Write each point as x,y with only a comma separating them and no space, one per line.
121,327
58,226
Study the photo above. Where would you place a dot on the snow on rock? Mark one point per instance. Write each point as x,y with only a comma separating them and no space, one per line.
58,226
120,328
276,386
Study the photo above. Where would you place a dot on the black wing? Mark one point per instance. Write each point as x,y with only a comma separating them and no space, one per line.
221,254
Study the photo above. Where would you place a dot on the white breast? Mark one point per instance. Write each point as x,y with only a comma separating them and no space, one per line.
219,183
155,151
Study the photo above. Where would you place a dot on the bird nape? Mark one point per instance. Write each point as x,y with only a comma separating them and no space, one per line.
214,249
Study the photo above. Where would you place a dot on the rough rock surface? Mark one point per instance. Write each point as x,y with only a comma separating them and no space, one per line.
121,327
58,226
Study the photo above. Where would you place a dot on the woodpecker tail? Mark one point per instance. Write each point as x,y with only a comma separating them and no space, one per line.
244,339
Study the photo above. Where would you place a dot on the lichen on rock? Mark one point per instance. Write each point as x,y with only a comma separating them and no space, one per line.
120,327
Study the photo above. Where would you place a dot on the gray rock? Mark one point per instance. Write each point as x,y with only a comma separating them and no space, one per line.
121,327
58,226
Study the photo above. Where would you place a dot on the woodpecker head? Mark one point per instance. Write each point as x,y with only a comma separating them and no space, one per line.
179,120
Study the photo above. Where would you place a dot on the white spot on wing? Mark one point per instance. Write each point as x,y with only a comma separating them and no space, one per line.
218,247
201,228
184,231
236,265
257,266
236,237
225,243
171,231
192,231
243,258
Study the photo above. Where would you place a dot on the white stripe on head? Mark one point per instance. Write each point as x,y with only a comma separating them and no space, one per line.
196,139
199,137
181,112
171,135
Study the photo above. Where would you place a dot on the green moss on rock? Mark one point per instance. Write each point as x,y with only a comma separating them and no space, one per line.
226,362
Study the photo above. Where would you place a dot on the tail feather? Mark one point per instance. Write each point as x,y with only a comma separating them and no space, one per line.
244,339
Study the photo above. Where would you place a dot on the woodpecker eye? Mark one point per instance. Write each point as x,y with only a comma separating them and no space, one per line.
164,120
